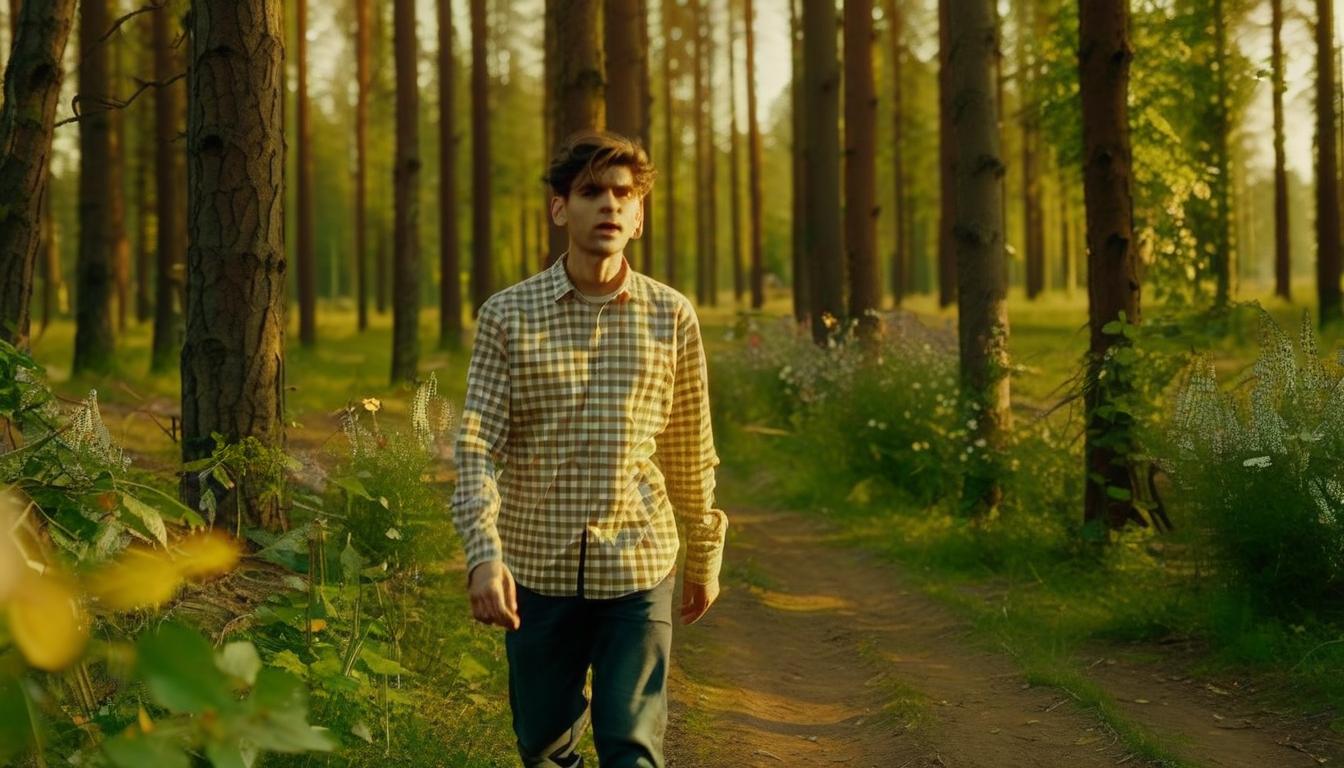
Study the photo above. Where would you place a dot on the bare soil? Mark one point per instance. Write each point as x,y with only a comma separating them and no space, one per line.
818,654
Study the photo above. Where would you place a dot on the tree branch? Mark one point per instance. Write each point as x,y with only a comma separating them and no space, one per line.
109,104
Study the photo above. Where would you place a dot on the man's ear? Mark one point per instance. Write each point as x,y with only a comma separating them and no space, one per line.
639,221
558,213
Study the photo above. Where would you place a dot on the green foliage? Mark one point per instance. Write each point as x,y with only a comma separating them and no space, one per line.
1262,468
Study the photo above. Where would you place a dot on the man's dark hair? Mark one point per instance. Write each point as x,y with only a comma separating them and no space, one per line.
585,154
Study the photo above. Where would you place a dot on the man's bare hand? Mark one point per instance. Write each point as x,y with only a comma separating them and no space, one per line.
494,595
696,599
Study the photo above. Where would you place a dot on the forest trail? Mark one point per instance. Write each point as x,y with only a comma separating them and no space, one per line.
817,655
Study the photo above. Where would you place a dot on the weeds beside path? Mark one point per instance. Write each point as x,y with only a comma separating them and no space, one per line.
819,653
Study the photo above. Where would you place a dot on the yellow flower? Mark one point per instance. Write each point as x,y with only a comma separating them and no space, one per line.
139,578
206,554
46,621
372,404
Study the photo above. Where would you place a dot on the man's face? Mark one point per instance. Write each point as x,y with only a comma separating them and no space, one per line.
601,213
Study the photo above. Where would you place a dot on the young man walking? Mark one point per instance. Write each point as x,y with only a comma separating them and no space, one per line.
587,394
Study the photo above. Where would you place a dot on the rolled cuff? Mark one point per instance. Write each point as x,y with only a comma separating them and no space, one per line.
482,547
704,547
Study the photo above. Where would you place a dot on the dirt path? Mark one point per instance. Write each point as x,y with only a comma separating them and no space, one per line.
816,655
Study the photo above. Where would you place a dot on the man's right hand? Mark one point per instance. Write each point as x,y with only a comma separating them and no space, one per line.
494,595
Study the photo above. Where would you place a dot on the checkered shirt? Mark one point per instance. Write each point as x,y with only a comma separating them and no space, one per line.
585,439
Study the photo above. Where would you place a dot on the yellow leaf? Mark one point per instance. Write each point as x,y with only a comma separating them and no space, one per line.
146,725
206,554
139,578
47,623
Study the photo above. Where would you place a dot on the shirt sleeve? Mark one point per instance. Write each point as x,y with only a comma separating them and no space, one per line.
482,438
687,458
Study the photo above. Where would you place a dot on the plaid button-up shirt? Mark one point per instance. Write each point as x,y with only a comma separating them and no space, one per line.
595,417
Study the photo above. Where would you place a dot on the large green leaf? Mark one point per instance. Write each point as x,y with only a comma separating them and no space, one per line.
137,750
178,665
279,712
148,517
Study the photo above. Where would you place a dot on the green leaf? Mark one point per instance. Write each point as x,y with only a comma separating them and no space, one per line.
16,730
352,486
471,670
280,708
239,659
227,755
1113,328
150,517
178,666
136,750
1118,493
379,664
351,563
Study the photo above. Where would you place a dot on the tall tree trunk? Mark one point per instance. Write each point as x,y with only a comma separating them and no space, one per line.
734,162
450,283
821,127
406,194
947,151
1104,57
233,356
982,275
624,59
577,86
710,192
116,171
363,22
32,88
900,252
94,340
646,126
1327,181
482,283
306,252
1282,273
754,164
1225,242
672,144
1065,227
144,165
1033,222
170,236
698,96
802,268
861,210
381,90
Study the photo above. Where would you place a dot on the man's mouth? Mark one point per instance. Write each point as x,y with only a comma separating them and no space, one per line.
609,227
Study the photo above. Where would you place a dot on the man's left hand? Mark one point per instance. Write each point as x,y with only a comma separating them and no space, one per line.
696,599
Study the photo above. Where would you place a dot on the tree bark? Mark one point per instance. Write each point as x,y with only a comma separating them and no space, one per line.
900,252
734,162
1104,57
802,268
1282,242
406,191
947,152
1327,180
170,237
32,87
710,192
821,139
646,126
698,97
233,356
754,164
1032,210
577,86
306,256
1225,240
363,22
982,278
94,340
482,282
672,144
450,283
144,167
861,209
116,170
624,59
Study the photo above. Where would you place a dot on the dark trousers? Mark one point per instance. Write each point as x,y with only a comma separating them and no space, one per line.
626,641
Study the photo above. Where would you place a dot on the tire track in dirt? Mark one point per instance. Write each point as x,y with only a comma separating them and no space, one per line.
816,656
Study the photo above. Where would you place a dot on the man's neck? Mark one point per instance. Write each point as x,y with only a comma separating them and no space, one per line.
595,276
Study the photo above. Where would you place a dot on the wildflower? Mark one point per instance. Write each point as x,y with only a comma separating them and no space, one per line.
872,423
980,443
972,423
1260,462
372,404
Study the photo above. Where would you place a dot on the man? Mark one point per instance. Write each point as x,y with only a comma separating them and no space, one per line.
587,388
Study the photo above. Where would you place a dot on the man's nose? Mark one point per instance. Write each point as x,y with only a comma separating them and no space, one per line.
610,201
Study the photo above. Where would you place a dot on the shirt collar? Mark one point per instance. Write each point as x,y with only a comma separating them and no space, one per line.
562,286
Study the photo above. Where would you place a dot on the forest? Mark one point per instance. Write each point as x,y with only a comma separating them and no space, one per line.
1024,338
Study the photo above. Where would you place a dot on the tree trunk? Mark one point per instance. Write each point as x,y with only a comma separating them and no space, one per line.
710,192
363,22
861,209
116,170
673,145
624,59
734,162
982,278
947,151
698,96
1104,57
900,252
802,268
144,165
94,340
306,255
577,86
821,137
170,236
481,203
646,126
1225,241
450,283
754,164
233,357
1282,272
1033,222
1066,245
32,87
1327,181
406,192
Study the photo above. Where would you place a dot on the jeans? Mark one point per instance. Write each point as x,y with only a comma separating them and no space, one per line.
626,640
